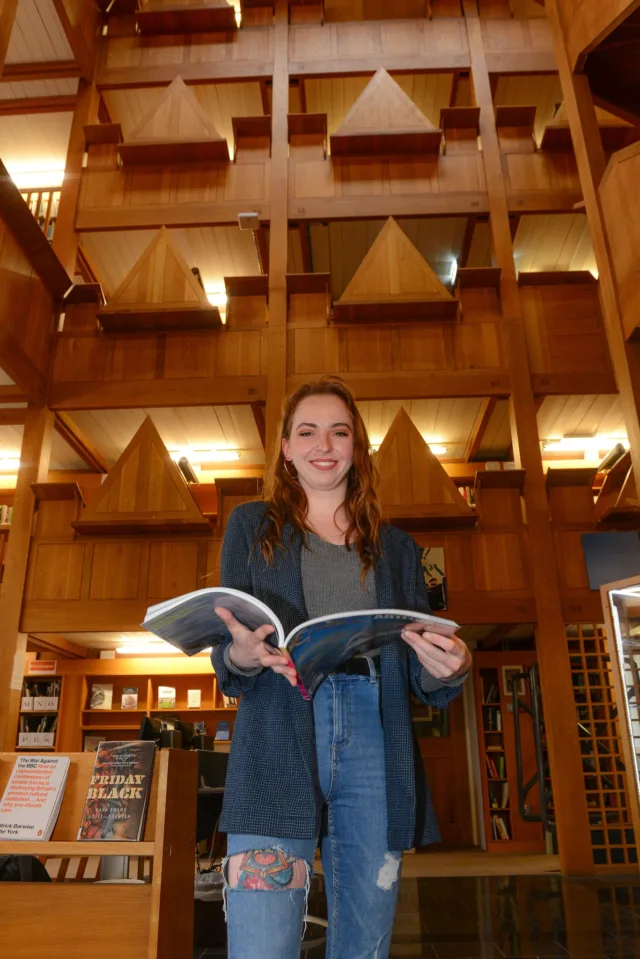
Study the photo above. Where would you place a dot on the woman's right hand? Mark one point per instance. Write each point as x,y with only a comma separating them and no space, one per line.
249,648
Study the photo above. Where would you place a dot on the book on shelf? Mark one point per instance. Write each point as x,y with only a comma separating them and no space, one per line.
129,698
101,696
91,743
166,697
491,768
316,647
118,794
6,515
194,698
499,828
223,730
229,701
505,795
32,798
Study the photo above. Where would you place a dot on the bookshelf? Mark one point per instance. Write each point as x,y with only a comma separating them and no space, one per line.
78,720
505,829
40,704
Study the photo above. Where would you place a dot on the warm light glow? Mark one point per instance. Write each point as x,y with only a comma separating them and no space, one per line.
197,457
218,297
437,450
27,178
155,647
454,271
9,462
600,443
435,446
594,273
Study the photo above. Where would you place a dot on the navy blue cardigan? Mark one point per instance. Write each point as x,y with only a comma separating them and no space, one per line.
272,784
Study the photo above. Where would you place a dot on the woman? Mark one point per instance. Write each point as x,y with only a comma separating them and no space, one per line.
340,770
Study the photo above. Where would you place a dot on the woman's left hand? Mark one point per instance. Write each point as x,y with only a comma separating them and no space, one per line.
445,657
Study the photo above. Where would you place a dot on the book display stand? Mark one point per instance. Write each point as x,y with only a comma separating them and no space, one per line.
151,918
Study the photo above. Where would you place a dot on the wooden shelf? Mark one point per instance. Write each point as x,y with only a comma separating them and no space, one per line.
460,118
111,712
304,124
159,319
247,285
164,18
99,134
395,310
39,712
40,749
5,527
302,283
159,152
478,277
516,116
499,479
131,527
251,127
579,476
556,278
57,492
109,727
52,848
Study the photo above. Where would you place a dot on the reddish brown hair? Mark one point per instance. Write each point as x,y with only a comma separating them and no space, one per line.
288,501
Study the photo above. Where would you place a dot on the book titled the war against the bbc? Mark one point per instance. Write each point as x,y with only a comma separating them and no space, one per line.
33,796
118,794
316,647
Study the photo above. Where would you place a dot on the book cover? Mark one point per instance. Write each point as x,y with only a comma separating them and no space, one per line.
166,697
194,698
129,698
432,560
118,793
101,696
223,730
32,798
91,743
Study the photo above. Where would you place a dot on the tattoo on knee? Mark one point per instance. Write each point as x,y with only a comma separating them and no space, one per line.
265,869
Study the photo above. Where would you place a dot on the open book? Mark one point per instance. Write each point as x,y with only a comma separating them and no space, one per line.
316,647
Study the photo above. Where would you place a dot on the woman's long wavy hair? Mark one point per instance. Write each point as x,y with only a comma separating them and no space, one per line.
288,501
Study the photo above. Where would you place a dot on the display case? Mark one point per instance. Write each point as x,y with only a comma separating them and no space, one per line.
621,602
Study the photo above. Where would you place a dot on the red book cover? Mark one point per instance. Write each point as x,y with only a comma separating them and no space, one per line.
118,792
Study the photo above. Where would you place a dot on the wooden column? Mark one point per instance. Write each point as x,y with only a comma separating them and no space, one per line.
7,17
279,225
65,240
34,466
587,144
551,646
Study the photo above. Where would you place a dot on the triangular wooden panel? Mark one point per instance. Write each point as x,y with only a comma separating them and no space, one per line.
159,293
384,120
144,492
394,282
185,16
177,130
613,130
413,485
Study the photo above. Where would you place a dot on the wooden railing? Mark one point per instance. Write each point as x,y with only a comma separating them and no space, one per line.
43,204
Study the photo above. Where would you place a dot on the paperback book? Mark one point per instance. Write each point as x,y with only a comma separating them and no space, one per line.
129,699
315,647
118,794
166,697
101,696
32,798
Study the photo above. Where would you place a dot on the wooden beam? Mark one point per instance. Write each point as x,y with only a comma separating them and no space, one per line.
262,248
434,384
497,634
34,463
467,240
279,224
149,394
85,449
82,25
33,243
21,367
45,70
58,645
258,414
65,240
12,394
13,416
7,17
26,105
305,247
475,440
590,160
551,645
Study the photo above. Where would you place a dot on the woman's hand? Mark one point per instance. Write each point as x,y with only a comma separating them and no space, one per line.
445,657
249,648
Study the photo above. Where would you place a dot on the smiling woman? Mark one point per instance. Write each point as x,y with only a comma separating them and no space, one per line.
341,770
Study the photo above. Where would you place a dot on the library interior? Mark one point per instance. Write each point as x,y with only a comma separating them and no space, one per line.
204,206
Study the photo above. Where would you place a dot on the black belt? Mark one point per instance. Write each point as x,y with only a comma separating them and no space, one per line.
357,666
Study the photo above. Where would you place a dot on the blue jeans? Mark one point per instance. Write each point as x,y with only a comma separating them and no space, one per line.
361,874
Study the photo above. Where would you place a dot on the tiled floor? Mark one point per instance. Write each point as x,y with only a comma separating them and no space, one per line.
520,917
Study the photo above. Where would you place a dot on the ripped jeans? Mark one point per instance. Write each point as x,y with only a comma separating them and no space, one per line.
361,874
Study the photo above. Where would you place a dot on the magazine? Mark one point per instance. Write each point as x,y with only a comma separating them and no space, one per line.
32,798
118,793
316,647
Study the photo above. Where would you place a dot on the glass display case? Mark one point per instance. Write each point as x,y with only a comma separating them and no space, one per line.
621,603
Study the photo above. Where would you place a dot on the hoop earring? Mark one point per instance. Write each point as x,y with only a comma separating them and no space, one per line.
289,474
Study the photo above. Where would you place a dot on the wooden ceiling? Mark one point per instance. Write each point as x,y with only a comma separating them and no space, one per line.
62,456
34,141
580,416
194,428
450,422
554,241
336,95
220,101
217,252
37,34
24,89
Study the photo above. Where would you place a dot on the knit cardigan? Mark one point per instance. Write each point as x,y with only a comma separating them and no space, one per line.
272,786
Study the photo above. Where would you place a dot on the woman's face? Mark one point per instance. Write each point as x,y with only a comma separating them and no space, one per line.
320,446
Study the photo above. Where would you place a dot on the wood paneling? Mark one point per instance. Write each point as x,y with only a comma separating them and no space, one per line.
37,35
587,22
58,571
617,192
172,568
498,561
115,571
